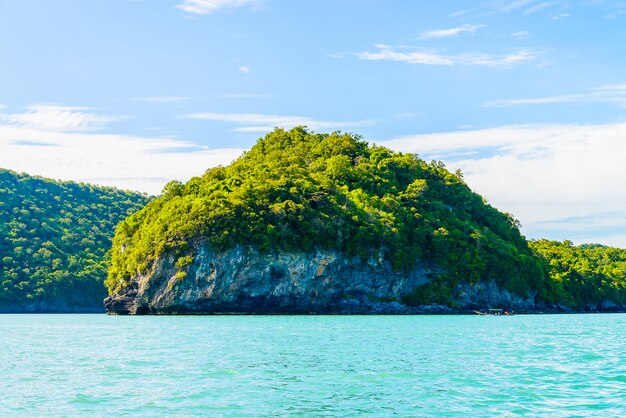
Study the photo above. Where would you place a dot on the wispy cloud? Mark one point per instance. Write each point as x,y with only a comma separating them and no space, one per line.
125,161
524,7
426,57
161,99
58,118
539,7
387,53
561,181
613,93
244,69
449,33
246,96
180,99
520,35
560,16
257,122
509,6
618,11
206,7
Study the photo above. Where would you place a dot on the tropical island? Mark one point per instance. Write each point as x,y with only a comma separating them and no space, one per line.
303,222
325,223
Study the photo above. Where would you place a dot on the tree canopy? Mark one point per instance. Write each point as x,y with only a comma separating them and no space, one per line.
293,191
54,238
298,190
585,274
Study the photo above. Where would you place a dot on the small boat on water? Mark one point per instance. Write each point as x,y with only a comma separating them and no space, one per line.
494,312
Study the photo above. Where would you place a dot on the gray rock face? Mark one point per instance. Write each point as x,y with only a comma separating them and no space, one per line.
607,305
241,280
489,295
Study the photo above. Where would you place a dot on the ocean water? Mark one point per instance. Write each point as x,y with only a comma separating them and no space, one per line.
465,366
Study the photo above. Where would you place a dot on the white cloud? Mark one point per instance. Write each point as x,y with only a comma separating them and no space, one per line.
206,7
58,118
525,7
520,35
449,33
616,13
509,6
257,122
161,99
246,96
490,7
538,7
561,181
124,161
387,53
458,13
244,69
612,93
560,16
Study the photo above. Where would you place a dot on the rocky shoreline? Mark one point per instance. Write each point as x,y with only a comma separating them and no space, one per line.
243,281
355,307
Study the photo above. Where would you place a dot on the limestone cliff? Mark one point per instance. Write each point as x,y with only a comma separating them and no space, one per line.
242,280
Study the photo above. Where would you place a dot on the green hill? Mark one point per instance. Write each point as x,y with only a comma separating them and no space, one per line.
297,191
293,192
584,276
54,238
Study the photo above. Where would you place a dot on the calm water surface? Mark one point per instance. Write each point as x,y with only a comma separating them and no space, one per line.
94,365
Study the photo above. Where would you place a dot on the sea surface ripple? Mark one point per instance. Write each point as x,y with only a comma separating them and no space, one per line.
97,365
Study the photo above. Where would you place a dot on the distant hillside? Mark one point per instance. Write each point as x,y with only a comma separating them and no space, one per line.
54,238
584,277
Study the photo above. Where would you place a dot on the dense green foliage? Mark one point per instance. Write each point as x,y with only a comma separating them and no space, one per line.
297,190
293,191
53,240
585,274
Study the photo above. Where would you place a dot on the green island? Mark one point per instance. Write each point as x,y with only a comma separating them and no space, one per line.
54,242
396,234
296,192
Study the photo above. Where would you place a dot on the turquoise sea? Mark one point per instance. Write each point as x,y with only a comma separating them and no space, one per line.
466,366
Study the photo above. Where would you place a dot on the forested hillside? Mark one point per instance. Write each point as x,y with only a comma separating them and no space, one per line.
294,191
297,190
54,238
584,275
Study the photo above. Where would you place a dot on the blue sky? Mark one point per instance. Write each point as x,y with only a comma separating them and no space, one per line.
526,97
